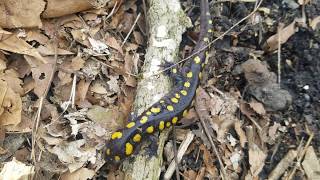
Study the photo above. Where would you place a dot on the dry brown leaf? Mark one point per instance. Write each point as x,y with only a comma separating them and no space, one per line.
57,8
241,133
23,127
11,105
14,44
257,107
82,90
112,42
303,2
11,77
74,153
3,64
17,170
80,174
273,131
285,34
208,161
315,23
138,38
36,35
49,50
41,74
311,164
256,159
25,13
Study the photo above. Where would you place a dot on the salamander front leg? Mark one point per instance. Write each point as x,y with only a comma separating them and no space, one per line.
172,71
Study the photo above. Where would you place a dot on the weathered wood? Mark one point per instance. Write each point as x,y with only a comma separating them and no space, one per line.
166,22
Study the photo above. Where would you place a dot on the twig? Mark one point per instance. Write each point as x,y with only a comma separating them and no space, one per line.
182,149
280,27
213,41
215,149
37,117
132,27
175,153
112,11
300,156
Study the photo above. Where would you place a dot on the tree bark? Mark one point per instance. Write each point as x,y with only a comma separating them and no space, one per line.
166,22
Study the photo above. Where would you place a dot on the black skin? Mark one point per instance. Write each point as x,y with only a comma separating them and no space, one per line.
116,147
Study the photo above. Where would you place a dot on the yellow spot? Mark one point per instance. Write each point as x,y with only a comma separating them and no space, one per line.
137,138
116,135
189,74
108,151
185,113
200,75
168,124
174,70
187,84
144,119
149,129
206,39
210,21
177,95
202,65
209,30
129,149
161,125
131,124
161,101
148,113
170,108
155,110
174,100
197,59
174,120
184,92
207,53
117,158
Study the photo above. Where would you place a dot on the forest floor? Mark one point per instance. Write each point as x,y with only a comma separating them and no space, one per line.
65,72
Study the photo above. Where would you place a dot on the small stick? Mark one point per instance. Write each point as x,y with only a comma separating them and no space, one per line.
300,156
134,24
182,149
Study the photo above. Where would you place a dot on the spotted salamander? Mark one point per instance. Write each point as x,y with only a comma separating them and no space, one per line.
174,105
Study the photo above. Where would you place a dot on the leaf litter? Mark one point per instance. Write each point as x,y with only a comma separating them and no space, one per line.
80,64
